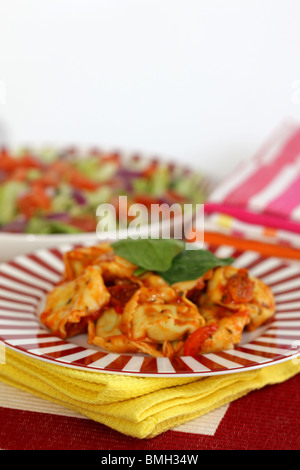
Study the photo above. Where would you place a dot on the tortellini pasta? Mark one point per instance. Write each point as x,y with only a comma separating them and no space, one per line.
101,296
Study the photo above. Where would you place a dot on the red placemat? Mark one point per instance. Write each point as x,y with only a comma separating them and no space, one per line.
265,419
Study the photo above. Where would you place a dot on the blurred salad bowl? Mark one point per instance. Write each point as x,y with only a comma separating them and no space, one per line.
50,197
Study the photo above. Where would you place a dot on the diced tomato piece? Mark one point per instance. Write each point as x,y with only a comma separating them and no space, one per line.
240,288
19,174
151,169
60,167
194,294
119,309
28,161
86,223
36,199
121,294
49,178
7,162
196,339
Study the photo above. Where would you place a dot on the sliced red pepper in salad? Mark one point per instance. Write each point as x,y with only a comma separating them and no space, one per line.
33,201
79,181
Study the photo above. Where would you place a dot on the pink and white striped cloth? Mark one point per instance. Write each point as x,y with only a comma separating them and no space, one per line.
261,198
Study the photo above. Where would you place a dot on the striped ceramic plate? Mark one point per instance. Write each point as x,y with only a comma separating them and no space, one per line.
25,280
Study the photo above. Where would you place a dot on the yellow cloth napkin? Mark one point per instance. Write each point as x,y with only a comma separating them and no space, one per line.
142,407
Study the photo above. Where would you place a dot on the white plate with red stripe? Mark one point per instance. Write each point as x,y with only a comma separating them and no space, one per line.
25,280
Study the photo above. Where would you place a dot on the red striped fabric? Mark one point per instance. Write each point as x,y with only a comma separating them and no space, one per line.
269,182
283,168
260,200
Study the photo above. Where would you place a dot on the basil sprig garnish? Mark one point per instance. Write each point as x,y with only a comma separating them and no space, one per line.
192,264
149,254
169,258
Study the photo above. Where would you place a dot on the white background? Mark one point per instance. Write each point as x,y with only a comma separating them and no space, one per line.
199,81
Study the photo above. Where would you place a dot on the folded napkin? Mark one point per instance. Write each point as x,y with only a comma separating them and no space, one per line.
141,407
260,199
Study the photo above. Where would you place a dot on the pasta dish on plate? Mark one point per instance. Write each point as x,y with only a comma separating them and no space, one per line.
125,307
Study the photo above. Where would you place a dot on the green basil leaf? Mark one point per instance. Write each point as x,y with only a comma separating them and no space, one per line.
192,264
149,254
139,271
